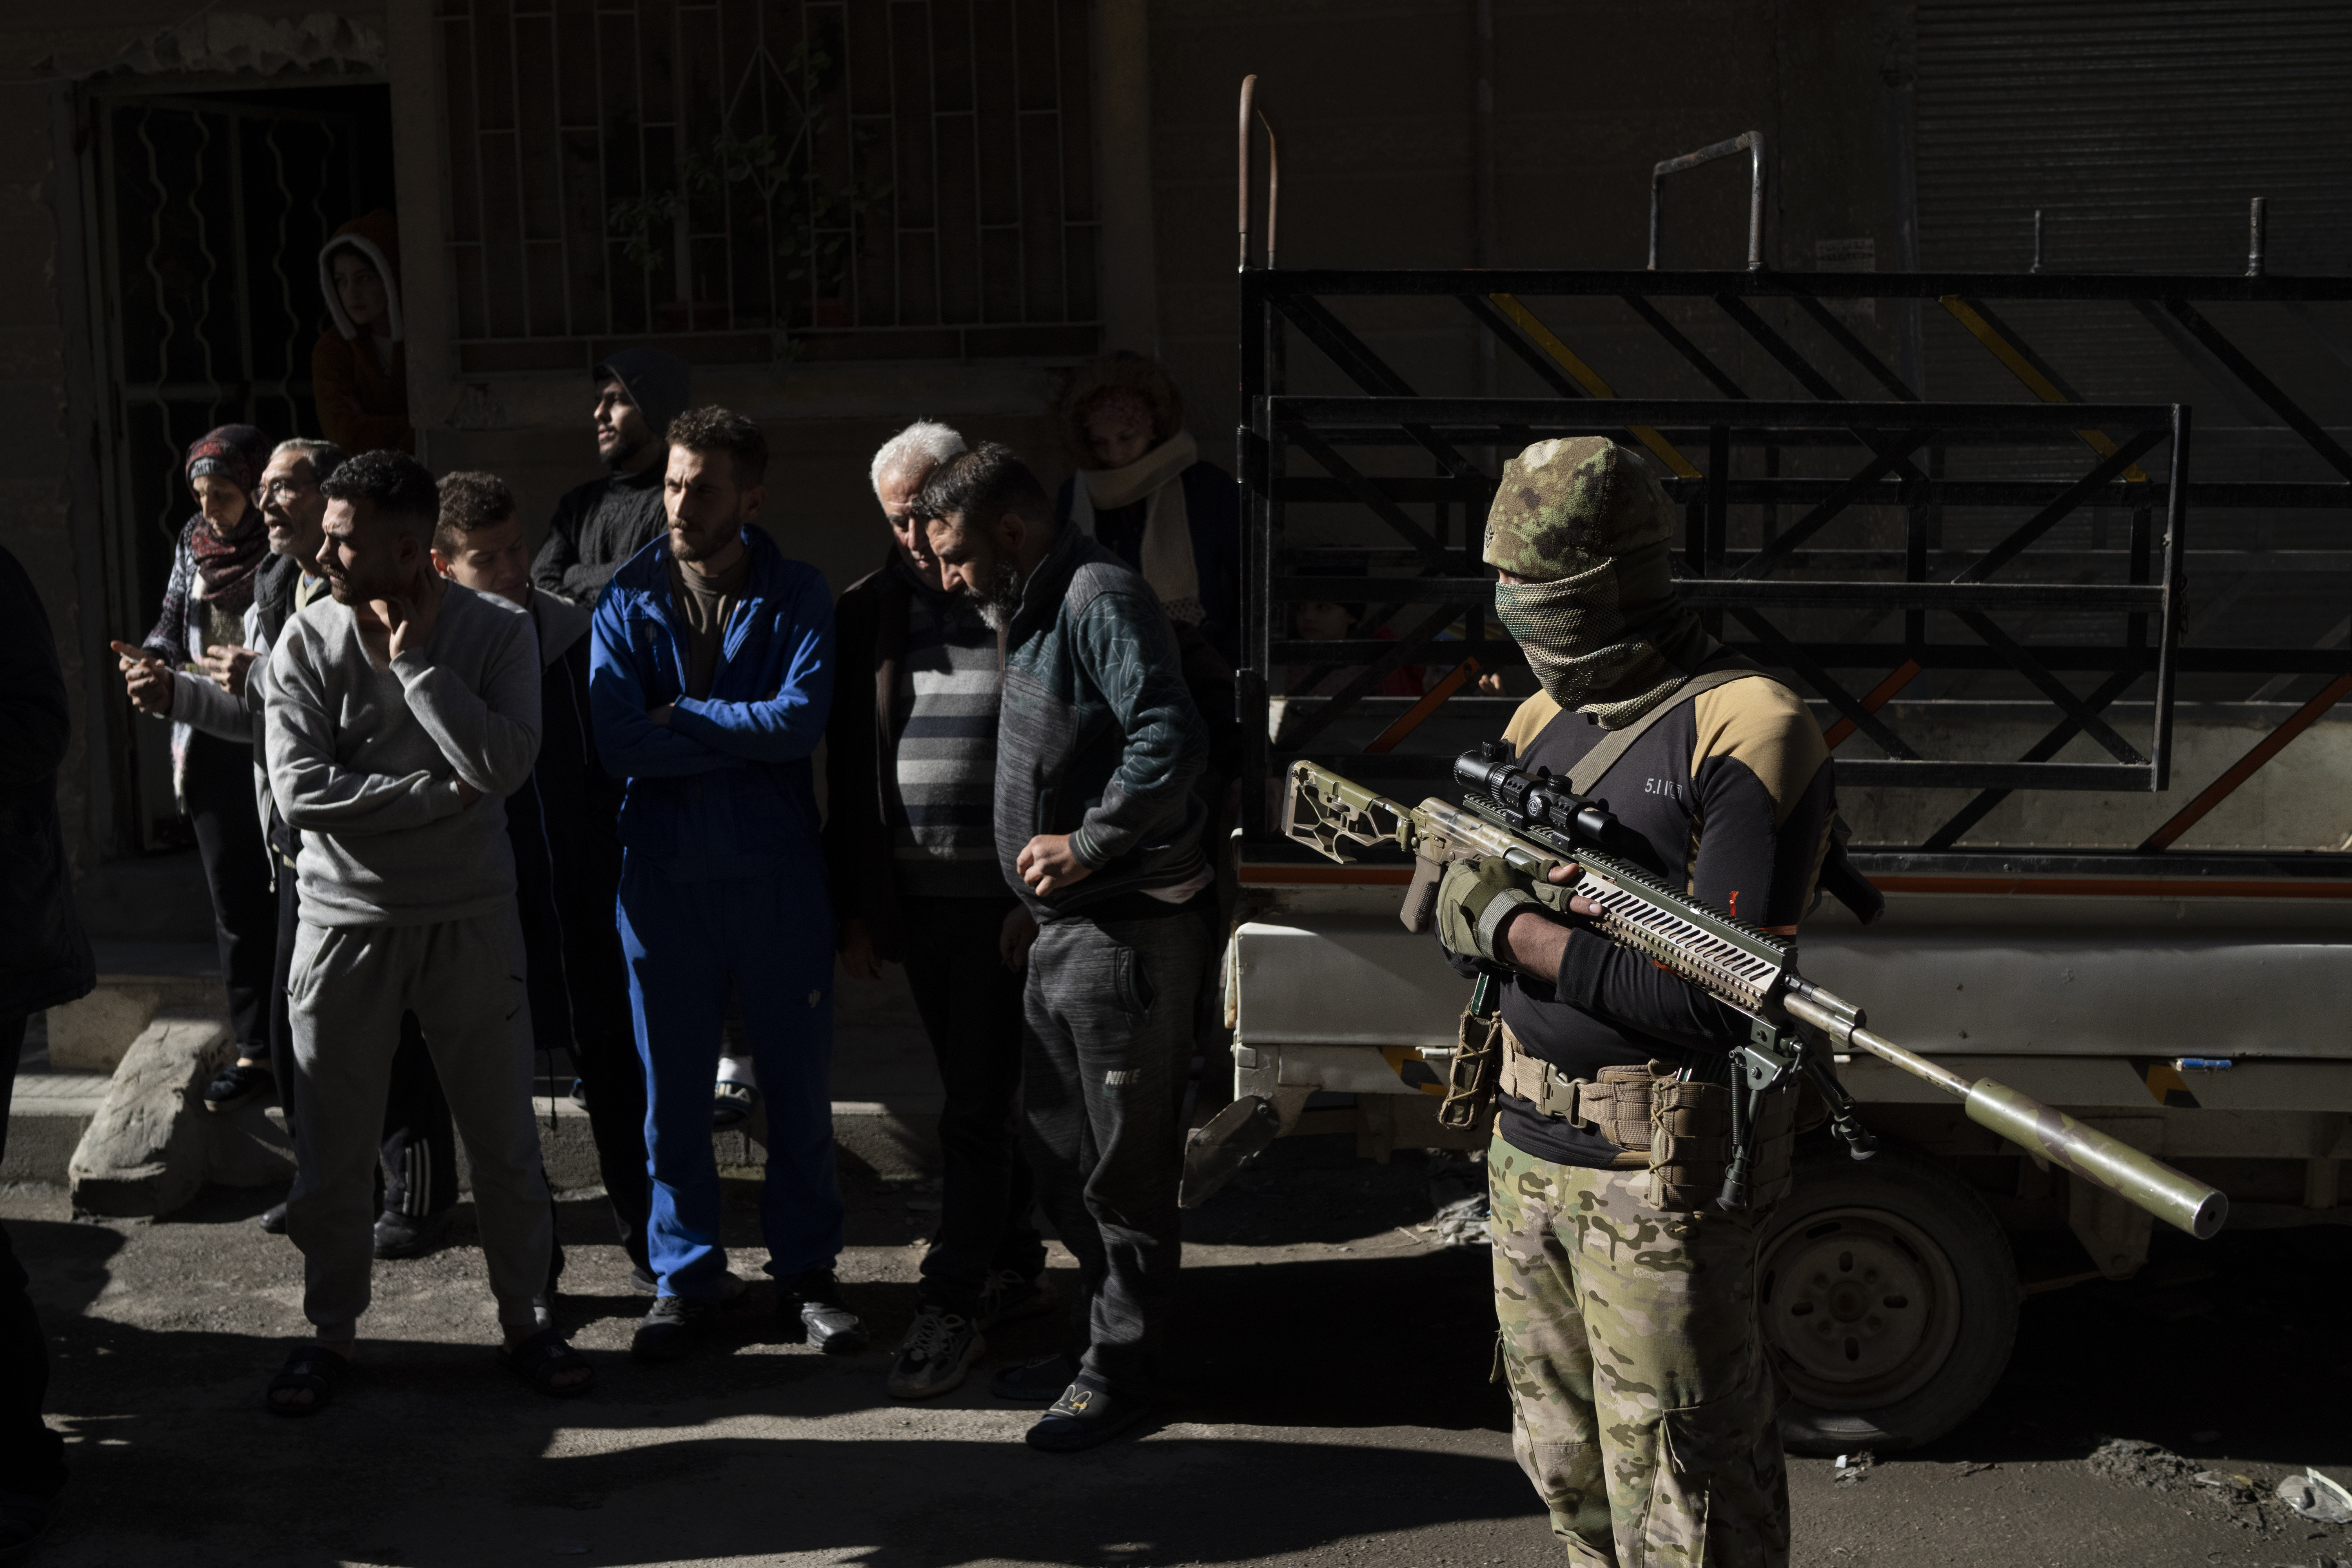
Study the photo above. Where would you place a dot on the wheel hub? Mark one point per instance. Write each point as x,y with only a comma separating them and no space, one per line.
1860,1308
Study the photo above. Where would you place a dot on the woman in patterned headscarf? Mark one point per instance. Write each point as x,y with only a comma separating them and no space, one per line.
212,583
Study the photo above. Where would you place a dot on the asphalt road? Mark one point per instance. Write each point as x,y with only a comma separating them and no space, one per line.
1336,1412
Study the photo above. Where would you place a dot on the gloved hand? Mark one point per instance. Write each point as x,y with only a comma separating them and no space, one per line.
1473,900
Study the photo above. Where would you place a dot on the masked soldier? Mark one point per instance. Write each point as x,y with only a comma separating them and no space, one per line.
1643,1401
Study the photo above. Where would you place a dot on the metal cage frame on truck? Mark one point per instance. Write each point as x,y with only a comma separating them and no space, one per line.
1898,448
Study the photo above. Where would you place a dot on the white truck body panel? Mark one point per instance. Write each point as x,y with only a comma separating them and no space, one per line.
2072,1000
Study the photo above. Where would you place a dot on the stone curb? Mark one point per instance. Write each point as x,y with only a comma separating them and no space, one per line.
145,1154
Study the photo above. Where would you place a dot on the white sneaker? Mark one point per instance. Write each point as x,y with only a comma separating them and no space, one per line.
936,1354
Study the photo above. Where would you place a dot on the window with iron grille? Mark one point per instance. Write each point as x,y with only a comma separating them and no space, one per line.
765,180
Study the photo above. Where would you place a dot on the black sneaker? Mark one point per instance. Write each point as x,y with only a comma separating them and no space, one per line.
938,1351
1010,1296
404,1236
273,1219
671,1328
1038,1381
235,1087
1086,1414
642,1280
810,1308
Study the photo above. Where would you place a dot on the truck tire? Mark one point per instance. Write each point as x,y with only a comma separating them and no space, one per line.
1888,1296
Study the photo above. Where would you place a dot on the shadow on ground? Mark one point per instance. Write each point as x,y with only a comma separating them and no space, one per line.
2229,1347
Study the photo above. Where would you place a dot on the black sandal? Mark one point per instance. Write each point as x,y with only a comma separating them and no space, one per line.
312,1367
539,1359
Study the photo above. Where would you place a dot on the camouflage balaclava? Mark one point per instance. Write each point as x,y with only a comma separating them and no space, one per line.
1582,520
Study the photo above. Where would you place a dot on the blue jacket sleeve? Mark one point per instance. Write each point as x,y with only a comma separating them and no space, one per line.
632,745
786,727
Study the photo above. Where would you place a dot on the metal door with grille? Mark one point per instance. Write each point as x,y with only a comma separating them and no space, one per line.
211,214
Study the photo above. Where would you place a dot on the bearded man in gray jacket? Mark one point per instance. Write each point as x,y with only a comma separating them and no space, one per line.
1098,834
400,711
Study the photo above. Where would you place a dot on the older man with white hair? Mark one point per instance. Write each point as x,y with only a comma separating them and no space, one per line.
910,850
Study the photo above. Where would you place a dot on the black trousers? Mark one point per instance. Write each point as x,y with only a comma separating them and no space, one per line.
219,789
32,1458
420,1147
1110,1021
971,1005
579,986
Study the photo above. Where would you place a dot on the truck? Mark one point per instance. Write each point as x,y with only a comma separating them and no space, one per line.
2076,664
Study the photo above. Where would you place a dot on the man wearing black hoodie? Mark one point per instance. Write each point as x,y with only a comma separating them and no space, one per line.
601,523
1098,832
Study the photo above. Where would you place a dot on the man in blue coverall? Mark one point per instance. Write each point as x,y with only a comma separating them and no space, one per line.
709,683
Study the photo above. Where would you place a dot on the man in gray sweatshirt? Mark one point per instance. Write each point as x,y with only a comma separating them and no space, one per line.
402,711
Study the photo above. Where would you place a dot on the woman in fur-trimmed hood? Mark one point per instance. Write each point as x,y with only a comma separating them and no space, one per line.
358,367
1145,493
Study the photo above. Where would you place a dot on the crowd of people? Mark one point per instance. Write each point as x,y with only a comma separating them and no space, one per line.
458,804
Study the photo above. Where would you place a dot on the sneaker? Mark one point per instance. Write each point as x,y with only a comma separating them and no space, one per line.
235,1087
579,1095
1039,1382
1010,1296
732,1106
1086,1414
671,1328
938,1351
643,1282
273,1219
810,1308
404,1236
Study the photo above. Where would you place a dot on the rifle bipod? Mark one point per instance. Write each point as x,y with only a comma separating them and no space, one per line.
1772,1060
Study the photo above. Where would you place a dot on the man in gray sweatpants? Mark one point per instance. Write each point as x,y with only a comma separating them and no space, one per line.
1099,831
400,711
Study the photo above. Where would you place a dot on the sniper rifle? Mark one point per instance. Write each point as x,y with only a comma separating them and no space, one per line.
1533,822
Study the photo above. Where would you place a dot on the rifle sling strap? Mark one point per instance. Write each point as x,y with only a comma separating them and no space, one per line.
1617,742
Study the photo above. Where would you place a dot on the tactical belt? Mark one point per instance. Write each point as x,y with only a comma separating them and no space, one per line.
1680,1133
1619,1112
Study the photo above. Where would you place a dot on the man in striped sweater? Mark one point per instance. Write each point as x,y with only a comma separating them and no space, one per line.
910,851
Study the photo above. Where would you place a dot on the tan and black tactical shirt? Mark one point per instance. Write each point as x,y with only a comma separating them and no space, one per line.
1731,796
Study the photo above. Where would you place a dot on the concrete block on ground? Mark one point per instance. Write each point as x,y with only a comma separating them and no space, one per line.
136,979
94,1033
144,1152
46,1118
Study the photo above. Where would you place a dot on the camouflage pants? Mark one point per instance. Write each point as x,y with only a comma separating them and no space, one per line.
1643,1408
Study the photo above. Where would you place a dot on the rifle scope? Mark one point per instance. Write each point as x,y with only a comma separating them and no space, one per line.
1538,799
